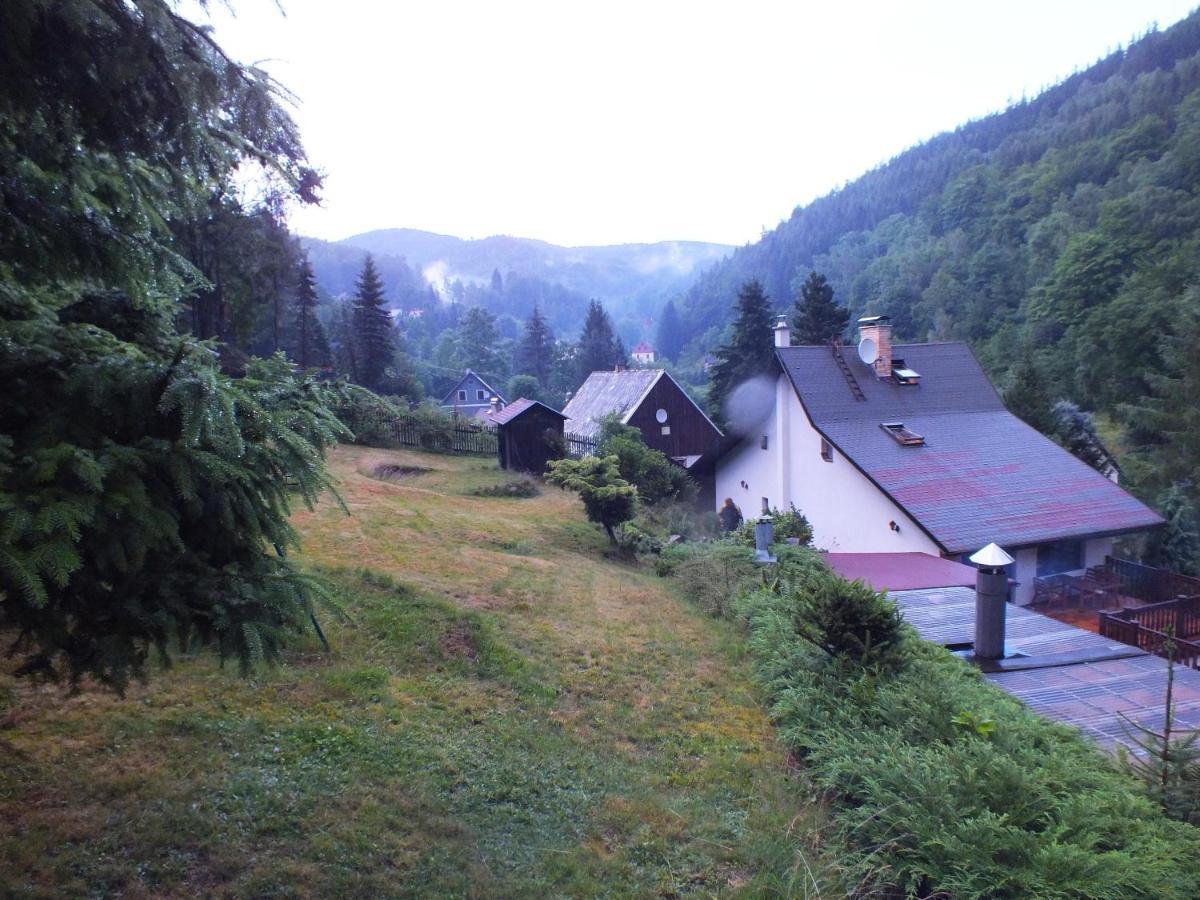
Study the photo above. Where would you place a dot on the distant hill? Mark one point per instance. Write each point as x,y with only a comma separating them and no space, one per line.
633,280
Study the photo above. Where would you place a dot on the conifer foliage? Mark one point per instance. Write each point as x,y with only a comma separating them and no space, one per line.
750,350
535,353
817,318
312,348
599,347
143,494
372,328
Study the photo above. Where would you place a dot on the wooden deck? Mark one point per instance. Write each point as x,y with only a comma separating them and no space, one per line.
1064,672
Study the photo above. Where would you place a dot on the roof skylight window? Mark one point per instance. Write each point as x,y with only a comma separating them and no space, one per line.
903,435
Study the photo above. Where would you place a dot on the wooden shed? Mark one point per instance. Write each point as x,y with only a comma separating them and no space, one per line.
528,435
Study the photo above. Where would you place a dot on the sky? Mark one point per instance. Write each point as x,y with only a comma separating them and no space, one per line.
613,122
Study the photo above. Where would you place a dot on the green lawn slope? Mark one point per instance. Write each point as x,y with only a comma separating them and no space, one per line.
505,712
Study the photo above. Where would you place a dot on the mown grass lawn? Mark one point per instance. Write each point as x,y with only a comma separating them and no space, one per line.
505,712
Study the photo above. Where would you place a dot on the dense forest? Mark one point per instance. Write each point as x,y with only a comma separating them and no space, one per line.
1061,238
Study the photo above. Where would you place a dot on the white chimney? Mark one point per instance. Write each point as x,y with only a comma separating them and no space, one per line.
877,330
783,336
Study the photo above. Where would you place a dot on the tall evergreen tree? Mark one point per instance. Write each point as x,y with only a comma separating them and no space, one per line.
816,318
750,350
477,340
497,282
599,347
1027,398
374,337
144,495
669,337
535,353
1075,429
310,335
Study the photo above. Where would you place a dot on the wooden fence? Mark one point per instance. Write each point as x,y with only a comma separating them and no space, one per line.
579,445
377,428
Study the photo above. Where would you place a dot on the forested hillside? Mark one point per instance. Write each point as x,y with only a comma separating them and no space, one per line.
1061,235
632,280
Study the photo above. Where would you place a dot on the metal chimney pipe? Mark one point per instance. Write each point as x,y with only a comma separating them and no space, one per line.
991,598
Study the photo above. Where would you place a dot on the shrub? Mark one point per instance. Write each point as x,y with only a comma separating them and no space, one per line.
712,575
656,477
608,499
790,524
637,542
848,620
683,519
521,487
952,787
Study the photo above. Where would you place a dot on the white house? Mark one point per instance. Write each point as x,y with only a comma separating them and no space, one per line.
908,448
643,354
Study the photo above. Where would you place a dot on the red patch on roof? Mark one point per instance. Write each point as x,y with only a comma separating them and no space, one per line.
901,571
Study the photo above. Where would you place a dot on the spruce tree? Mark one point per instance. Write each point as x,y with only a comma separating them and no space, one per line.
477,340
669,337
599,348
309,334
373,336
750,351
1027,398
144,495
535,352
816,318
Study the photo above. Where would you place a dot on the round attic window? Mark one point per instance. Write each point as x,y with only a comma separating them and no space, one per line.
661,415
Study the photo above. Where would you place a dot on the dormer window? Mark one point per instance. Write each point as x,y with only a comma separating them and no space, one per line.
902,374
462,395
902,435
481,395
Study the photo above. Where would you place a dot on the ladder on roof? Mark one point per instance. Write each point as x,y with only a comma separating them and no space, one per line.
855,389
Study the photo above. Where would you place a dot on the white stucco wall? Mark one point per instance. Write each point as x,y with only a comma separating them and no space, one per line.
1026,571
1095,550
848,513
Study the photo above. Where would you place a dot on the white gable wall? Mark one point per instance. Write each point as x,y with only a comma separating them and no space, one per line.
849,514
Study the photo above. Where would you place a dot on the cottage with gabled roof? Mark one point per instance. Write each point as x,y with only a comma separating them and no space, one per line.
654,403
908,448
472,397
644,354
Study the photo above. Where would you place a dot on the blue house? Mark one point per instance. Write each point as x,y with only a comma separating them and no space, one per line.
472,397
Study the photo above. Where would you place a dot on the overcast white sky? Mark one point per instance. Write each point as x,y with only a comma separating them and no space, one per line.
609,122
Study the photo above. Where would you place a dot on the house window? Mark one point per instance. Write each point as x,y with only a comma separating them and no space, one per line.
826,450
666,429
902,435
1059,557
462,395
765,442
481,395
766,506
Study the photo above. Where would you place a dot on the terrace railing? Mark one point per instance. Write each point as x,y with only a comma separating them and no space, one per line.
1148,583
1120,626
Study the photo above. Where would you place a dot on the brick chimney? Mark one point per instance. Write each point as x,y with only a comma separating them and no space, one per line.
879,330
783,336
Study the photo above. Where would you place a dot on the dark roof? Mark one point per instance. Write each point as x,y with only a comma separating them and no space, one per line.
605,393
982,474
619,392
901,571
514,409
450,400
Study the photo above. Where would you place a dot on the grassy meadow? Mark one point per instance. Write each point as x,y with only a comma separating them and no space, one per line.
506,711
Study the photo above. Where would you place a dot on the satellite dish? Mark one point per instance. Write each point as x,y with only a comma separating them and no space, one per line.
868,351
661,415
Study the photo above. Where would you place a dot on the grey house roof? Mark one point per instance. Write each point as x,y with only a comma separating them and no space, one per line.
981,475
607,392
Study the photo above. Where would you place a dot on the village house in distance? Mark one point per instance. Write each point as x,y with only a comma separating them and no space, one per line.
473,398
908,448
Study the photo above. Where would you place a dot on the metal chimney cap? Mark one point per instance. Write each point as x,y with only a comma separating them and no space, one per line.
991,557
